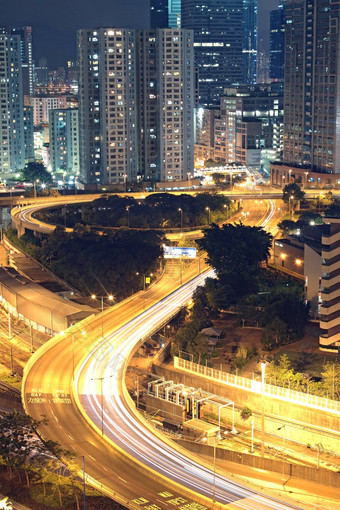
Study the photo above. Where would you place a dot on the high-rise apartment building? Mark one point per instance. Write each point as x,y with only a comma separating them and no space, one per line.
12,142
311,144
167,103
64,140
249,40
28,133
218,44
26,55
43,104
277,43
107,105
135,105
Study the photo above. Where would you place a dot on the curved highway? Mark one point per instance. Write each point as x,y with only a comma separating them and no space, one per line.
91,413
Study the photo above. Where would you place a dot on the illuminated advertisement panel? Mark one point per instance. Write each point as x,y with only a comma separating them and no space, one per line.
175,252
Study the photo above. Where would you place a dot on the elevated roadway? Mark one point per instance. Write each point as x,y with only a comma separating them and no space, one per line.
77,381
23,215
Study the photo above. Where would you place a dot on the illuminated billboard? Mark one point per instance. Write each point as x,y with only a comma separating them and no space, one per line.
176,252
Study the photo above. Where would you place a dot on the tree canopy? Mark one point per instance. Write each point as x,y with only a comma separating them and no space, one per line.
34,171
236,248
292,190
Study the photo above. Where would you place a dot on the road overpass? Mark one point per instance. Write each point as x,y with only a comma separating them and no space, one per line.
23,214
91,413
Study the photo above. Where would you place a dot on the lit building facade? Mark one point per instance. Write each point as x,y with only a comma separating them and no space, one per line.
218,43
311,142
247,128
277,43
165,13
250,31
107,106
329,307
26,55
42,106
28,134
64,140
136,105
12,145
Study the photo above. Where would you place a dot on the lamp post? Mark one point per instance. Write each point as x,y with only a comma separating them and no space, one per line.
125,177
128,215
306,178
110,298
35,187
283,428
101,396
252,437
181,211
291,209
209,213
263,370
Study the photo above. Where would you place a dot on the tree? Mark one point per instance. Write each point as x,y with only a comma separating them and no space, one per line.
20,440
331,380
34,171
292,190
218,178
236,248
287,226
277,329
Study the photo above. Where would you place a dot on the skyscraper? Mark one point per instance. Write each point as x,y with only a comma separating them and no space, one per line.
26,55
166,72
64,140
107,105
277,43
218,43
135,104
311,144
165,13
12,148
249,40
174,14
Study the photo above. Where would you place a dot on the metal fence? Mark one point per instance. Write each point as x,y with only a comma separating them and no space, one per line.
269,390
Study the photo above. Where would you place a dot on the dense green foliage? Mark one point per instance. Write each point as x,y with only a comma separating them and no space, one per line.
98,264
34,171
235,252
292,192
158,210
280,373
188,338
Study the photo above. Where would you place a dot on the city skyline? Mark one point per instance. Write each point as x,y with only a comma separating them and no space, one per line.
54,33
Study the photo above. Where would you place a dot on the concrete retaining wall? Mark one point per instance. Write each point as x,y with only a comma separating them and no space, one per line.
322,476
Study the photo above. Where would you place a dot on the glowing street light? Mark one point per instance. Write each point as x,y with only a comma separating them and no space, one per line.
209,214
35,182
128,215
110,298
181,211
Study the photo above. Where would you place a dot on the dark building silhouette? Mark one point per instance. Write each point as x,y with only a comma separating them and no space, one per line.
250,30
277,43
218,43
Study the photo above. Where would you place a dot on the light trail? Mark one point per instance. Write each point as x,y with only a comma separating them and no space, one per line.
129,432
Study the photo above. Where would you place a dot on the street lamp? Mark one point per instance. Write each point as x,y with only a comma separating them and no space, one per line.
125,176
110,298
128,215
101,396
209,214
283,428
306,178
35,187
291,197
263,370
181,211
144,279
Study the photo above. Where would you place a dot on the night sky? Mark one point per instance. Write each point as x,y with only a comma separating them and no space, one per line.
55,21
